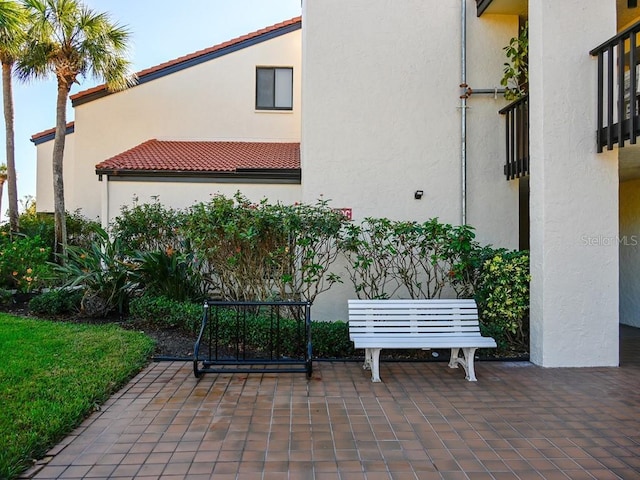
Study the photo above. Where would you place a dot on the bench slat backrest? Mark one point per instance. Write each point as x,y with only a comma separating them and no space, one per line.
402,317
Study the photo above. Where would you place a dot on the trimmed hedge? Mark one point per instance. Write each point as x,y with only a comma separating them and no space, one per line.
164,312
330,339
57,302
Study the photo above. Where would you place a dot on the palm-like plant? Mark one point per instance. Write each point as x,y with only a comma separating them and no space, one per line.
68,40
13,22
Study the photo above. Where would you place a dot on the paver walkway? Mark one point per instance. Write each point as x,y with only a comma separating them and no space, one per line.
425,421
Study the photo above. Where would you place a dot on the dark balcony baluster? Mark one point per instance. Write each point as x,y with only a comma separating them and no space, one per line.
517,138
633,89
610,99
617,102
621,90
600,98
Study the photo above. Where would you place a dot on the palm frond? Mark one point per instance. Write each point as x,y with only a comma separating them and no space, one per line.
71,40
13,24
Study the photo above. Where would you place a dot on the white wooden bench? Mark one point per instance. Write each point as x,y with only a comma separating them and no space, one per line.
424,324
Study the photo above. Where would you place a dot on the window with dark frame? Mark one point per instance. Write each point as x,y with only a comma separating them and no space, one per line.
274,88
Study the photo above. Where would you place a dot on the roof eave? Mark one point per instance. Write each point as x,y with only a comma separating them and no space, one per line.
50,134
271,174
144,78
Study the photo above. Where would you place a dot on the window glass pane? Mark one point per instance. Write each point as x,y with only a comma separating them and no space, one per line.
284,88
265,88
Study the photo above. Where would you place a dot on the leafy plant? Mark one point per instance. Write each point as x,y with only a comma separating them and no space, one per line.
103,271
313,233
408,258
168,273
56,302
503,298
262,251
516,70
257,334
331,340
160,311
23,262
6,296
80,230
149,227
370,253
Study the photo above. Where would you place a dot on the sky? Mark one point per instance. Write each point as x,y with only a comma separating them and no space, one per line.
161,30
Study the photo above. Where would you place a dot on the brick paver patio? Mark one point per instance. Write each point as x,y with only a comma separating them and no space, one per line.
425,421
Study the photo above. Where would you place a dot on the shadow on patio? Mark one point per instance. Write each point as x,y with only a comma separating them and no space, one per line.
424,422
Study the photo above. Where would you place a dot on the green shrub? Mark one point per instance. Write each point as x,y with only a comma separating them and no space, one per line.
418,260
163,312
262,251
103,273
262,334
57,302
6,296
168,273
80,230
502,295
23,263
149,227
331,340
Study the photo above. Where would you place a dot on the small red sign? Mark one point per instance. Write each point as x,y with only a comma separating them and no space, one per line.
347,212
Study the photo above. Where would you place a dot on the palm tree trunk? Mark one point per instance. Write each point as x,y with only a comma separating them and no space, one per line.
12,182
58,180
1,185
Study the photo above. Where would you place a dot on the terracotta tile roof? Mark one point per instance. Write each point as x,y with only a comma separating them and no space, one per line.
201,53
185,156
50,131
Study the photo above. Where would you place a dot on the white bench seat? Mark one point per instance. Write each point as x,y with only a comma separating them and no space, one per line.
423,324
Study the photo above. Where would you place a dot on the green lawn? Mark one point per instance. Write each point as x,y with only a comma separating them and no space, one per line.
52,375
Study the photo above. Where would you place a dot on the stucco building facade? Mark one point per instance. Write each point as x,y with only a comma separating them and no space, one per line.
394,98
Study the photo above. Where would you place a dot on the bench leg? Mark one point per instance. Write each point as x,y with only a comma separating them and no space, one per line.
453,361
372,361
466,362
367,359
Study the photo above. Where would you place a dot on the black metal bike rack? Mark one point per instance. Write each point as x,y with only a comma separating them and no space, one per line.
254,337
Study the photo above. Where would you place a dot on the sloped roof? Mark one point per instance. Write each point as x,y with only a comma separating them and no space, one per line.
50,133
195,58
192,157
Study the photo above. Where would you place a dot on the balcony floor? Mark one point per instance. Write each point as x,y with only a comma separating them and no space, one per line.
425,421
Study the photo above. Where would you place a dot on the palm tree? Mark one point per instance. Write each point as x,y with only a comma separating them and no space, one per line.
68,40
13,20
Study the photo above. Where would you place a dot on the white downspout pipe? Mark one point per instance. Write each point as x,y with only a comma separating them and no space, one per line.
105,202
463,111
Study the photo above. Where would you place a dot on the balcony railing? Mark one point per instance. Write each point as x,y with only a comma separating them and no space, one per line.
517,138
618,93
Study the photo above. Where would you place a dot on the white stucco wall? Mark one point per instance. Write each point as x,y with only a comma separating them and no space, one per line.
382,110
44,174
492,201
180,195
214,100
382,117
629,241
574,190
